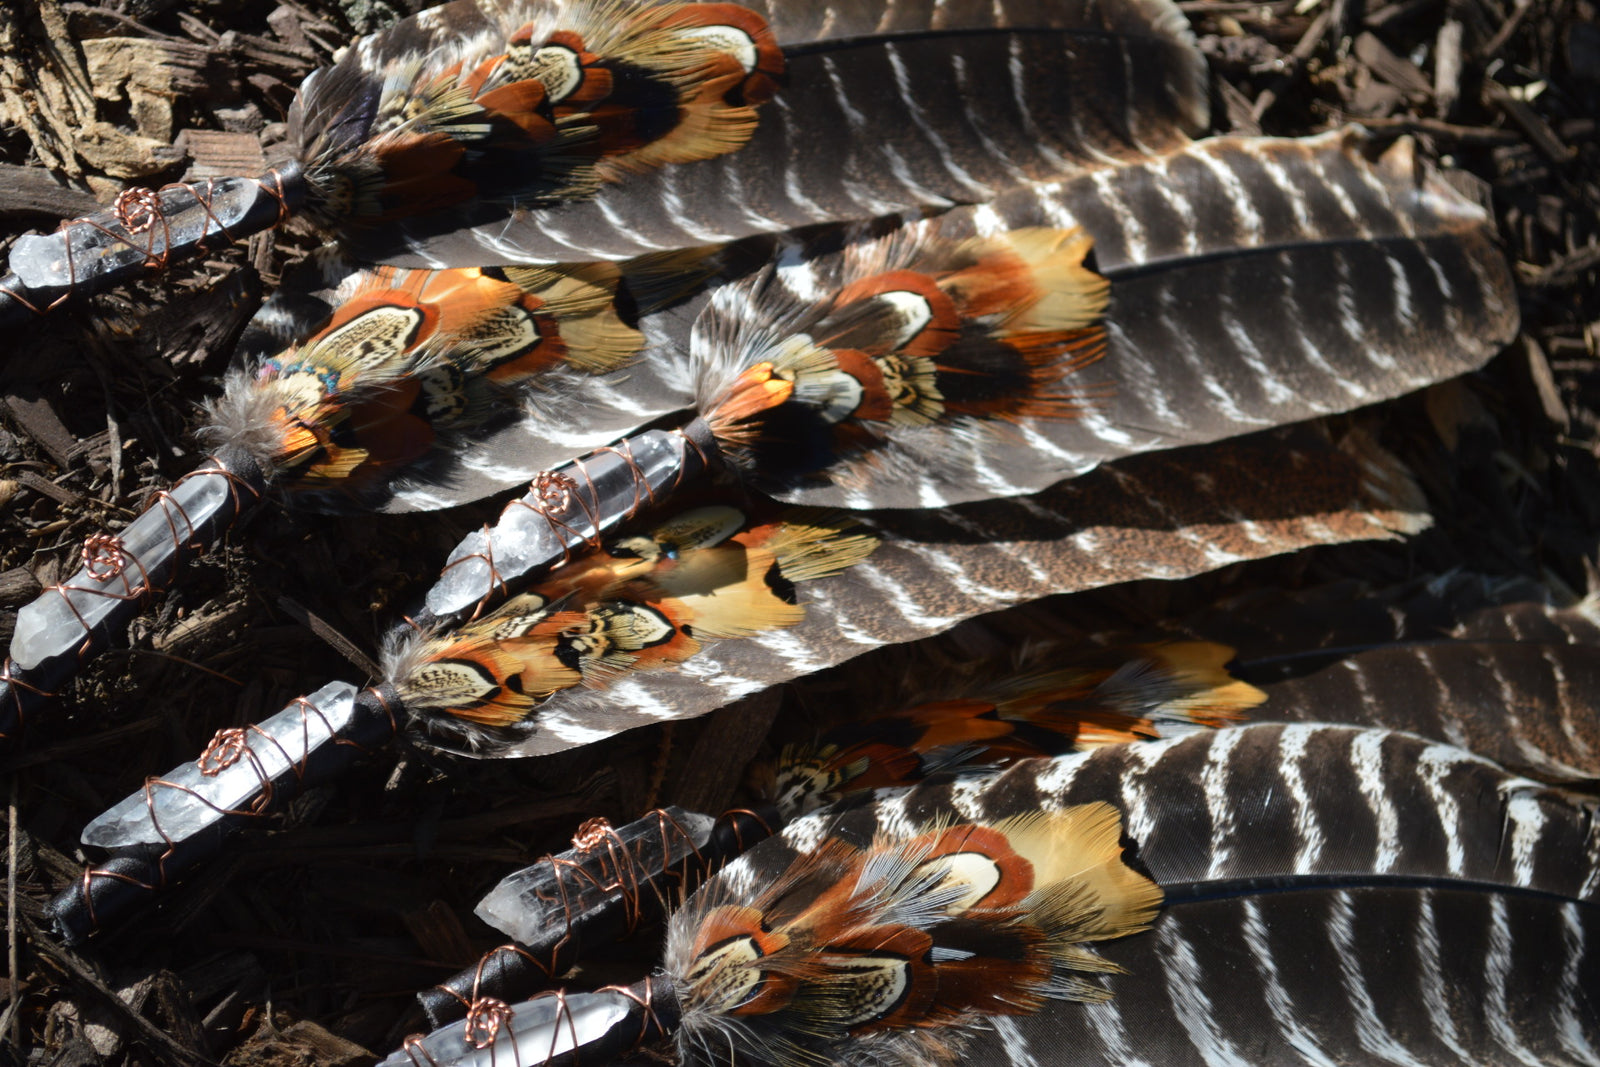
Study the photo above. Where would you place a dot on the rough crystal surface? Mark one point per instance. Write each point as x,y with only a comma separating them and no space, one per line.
522,907
524,539
186,800
538,1030
55,623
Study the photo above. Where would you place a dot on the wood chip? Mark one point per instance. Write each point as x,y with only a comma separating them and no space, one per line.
271,55
150,74
1241,120
1543,382
1303,50
18,586
1395,70
39,420
35,191
203,629
50,489
217,154
1538,130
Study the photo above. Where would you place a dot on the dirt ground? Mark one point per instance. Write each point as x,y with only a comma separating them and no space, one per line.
305,945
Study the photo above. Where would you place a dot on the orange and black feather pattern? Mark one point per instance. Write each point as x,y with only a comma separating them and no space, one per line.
922,336
411,365
543,104
894,952
643,602
1122,694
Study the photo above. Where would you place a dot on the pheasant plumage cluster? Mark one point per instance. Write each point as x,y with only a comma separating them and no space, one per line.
820,328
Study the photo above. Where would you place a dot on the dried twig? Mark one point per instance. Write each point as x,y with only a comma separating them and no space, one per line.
13,956
1296,59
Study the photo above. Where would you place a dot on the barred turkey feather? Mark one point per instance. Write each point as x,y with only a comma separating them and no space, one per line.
1311,872
1460,605
979,96
1495,666
1533,707
1169,515
1366,281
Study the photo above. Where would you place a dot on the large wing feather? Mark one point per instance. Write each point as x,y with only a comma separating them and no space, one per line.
1532,706
1490,665
1370,976
1365,282
1312,873
979,97
1168,516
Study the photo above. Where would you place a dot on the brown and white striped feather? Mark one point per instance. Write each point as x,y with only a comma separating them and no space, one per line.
1168,515
1334,895
1365,283
979,97
1493,667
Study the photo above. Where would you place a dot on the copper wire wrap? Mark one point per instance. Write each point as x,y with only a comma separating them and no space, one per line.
138,211
591,832
228,747
485,1018
560,498
760,820
104,557
618,871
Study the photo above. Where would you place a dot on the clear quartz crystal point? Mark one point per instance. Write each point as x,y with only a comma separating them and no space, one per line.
537,1031
525,905
56,623
189,800
536,532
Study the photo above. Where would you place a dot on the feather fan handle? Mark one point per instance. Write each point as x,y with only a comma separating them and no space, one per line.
895,951
643,603
1125,695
